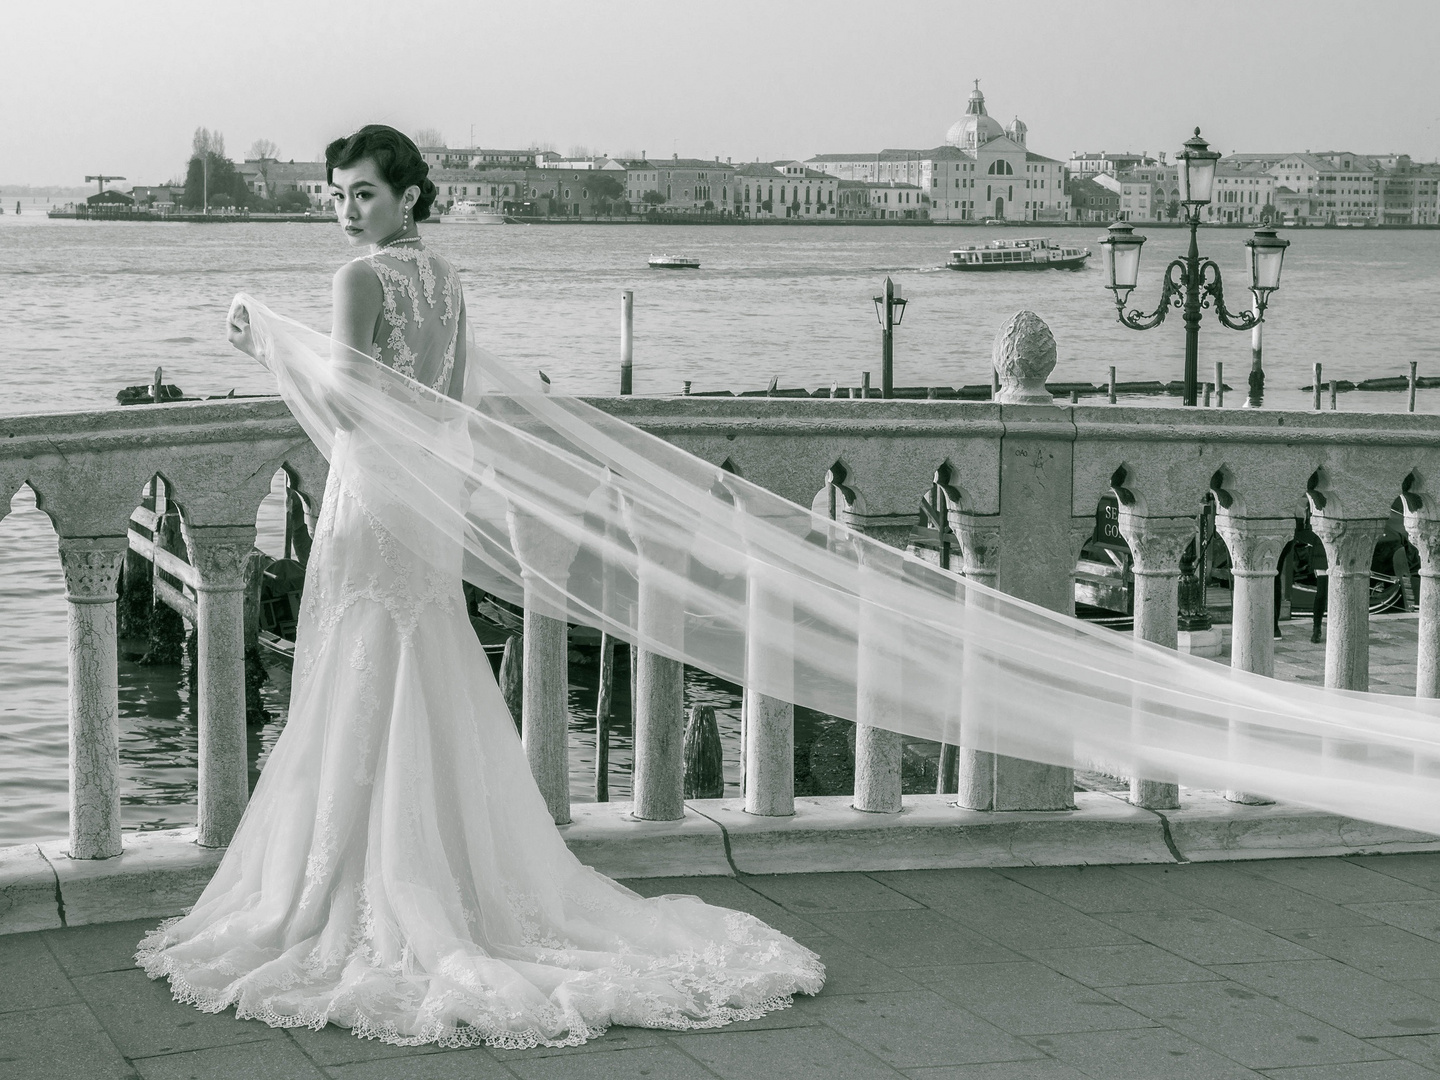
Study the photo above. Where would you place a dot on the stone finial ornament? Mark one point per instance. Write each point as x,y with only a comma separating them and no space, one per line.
1024,355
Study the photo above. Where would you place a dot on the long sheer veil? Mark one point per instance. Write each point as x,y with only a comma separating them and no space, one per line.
577,513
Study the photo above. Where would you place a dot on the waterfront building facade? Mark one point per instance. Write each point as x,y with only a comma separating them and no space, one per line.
783,189
501,190
1147,191
573,192
1244,192
478,158
1408,193
1091,200
269,179
984,170
1082,164
684,185
876,200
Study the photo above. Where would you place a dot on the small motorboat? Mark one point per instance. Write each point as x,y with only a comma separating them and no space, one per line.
673,262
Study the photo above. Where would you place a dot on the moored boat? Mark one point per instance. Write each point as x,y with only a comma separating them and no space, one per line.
468,212
674,262
1035,253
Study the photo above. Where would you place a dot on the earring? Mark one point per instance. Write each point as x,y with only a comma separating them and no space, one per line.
405,218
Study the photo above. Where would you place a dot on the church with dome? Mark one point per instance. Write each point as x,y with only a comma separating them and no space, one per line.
984,171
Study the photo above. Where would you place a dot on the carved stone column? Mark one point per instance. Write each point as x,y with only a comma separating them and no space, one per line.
92,567
659,774
220,555
879,684
769,719
1254,545
1156,544
545,558
980,559
1349,548
1425,535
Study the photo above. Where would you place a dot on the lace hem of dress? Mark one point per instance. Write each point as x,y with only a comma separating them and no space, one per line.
808,978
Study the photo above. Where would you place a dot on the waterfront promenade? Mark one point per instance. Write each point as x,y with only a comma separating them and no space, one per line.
1307,969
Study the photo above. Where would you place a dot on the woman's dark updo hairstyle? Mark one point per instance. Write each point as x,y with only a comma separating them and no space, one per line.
396,158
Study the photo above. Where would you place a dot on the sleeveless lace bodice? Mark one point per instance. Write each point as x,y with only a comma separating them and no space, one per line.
420,320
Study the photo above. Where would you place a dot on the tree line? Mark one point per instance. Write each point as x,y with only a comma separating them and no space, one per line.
211,178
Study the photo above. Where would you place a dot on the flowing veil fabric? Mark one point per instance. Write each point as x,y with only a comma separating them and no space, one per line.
397,871
626,507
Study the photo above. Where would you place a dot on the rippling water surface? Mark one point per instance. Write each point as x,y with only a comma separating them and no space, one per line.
87,308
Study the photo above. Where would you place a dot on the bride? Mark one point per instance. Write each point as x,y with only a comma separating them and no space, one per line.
397,871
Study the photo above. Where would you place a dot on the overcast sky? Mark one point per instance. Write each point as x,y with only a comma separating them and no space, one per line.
94,86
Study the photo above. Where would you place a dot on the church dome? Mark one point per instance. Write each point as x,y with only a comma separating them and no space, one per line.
976,127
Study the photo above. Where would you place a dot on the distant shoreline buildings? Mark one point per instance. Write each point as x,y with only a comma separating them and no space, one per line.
983,172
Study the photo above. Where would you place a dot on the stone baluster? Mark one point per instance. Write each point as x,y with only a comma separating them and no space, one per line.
769,720
1156,544
545,558
980,559
92,566
1349,548
1425,535
659,689
1254,545
878,676
220,555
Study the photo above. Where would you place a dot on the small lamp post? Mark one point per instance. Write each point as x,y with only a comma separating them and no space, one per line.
1190,283
889,309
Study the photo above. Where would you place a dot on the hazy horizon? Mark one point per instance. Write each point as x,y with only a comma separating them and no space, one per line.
121,90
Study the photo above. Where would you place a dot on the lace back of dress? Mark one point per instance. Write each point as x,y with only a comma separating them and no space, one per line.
420,320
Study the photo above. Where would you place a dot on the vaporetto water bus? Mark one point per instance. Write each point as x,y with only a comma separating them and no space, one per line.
1037,253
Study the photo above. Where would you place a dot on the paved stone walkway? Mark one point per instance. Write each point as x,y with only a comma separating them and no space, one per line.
1313,969
1393,643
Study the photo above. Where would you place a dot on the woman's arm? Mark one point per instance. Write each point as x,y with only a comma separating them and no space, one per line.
358,300
456,389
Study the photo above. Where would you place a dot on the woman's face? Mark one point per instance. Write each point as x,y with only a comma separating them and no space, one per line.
365,206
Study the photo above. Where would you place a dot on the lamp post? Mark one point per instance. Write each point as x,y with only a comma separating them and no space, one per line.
889,309
1190,283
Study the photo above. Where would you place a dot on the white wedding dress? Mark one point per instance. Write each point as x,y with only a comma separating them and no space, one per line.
397,871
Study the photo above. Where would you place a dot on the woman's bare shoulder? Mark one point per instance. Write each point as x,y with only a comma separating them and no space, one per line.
357,276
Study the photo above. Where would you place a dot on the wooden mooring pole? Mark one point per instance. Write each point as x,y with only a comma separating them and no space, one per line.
603,704
627,339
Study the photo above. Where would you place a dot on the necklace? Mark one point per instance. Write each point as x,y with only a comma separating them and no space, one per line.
392,240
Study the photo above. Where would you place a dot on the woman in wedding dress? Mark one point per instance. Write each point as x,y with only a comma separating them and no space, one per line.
397,871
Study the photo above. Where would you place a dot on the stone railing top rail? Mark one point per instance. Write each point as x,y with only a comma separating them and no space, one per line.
1264,460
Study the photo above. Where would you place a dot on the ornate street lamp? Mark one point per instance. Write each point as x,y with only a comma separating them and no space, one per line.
890,310
1191,284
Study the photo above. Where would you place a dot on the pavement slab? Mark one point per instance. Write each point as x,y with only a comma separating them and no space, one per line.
278,1059
63,1042
1122,965
914,1028
1385,951
1205,936
816,1053
1142,1054
1245,1026
1028,998
1360,1070
144,1020
1421,1049
32,977
1340,995
1344,881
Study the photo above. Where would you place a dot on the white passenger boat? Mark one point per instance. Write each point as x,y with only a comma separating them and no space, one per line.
469,212
674,262
1036,253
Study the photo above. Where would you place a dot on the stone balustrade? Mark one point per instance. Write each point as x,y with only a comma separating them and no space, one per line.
1023,482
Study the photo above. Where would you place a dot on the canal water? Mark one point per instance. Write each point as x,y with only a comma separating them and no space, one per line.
87,308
